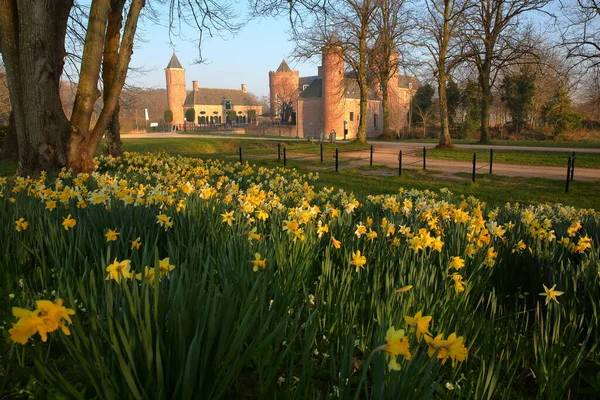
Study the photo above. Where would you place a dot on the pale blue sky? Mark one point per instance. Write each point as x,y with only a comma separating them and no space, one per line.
246,58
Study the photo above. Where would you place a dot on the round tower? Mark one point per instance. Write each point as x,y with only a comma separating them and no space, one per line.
175,75
333,90
283,87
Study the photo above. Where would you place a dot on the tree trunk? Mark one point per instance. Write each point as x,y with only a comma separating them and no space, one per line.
109,65
385,105
10,148
445,139
486,99
84,141
32,35
114,147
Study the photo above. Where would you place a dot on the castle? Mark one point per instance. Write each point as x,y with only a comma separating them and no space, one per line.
212,106
330,101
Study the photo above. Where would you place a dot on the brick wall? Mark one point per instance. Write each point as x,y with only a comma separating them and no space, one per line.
272,130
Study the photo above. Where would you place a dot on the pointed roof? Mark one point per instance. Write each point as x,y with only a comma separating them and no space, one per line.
283,67
174,63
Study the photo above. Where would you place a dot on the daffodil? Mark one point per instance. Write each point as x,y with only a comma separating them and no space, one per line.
336,243
227,218
258,262
119,270
551,294
112,235
69,223
396,343
165,266
419,323
456,263
136,244
21,225
358,260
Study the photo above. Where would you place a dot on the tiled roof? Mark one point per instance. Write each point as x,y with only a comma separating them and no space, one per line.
306,80
404,80
207,96
174,63
283,67
315,90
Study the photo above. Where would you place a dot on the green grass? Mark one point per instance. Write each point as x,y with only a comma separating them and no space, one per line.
590,144
550,159
363,181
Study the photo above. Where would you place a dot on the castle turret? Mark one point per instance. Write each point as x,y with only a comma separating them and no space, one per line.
175,74
283,87
333,89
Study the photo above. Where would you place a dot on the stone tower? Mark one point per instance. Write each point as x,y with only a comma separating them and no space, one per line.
283,87
175,89
333,90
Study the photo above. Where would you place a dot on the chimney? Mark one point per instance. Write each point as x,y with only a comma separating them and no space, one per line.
320,71
244,87
195,85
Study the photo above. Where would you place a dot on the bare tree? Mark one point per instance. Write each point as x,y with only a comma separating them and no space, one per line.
581,30
493,32
345,27
438,32
391,23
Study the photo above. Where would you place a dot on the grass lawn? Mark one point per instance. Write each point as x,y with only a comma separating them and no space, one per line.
590,144
363,181
550,159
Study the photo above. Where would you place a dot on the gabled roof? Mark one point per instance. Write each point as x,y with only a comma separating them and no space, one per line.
174,63
351,90
207,96
314,90
283,67
405,80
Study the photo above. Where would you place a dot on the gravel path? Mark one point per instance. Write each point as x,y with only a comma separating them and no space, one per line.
386,153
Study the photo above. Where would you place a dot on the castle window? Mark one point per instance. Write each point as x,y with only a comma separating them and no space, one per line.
227,104
375,120
351,116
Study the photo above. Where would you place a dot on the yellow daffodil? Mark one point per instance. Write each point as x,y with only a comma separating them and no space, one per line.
357,260
119,270
336,243
395,344
456,263
419,323
165,266
136,244
258,262
227,218
112,235
148,275
21,225
551,294
69,223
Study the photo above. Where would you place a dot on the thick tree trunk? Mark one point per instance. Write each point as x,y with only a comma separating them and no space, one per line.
109,65
10,148
32,35
445,139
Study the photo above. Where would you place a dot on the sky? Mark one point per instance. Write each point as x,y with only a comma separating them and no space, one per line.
246,58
